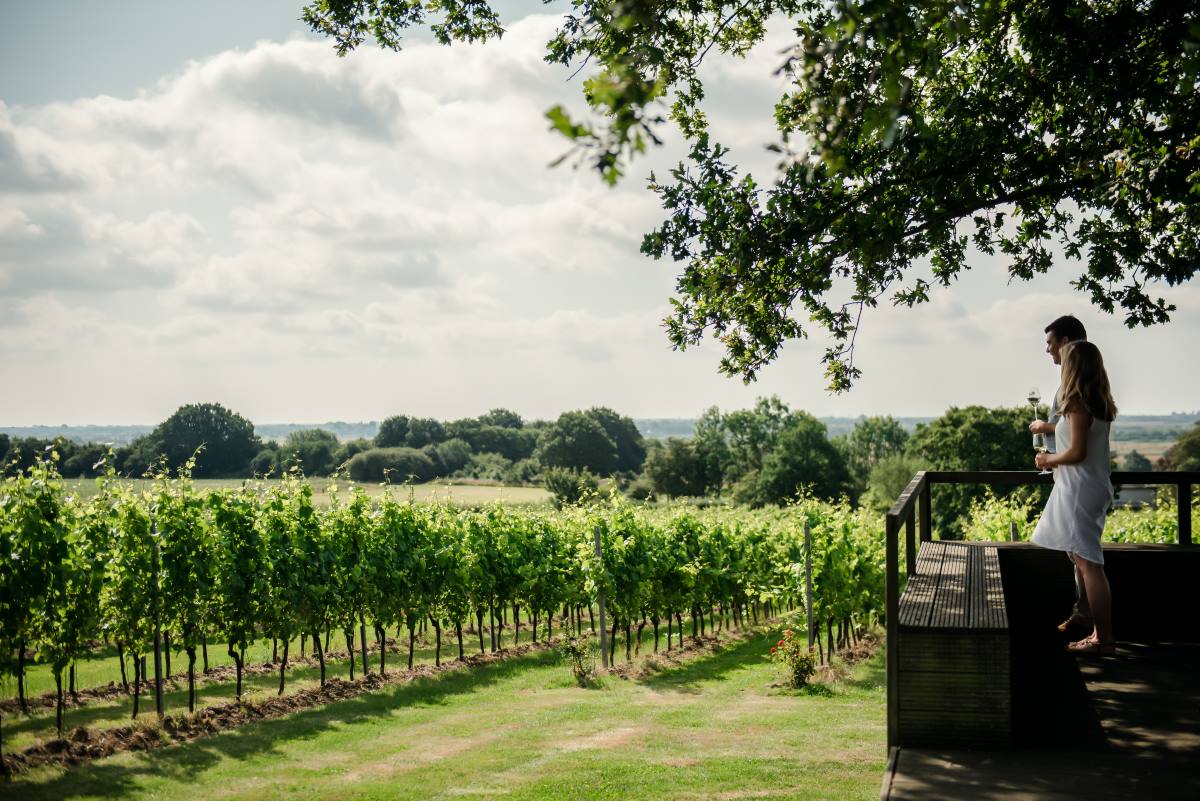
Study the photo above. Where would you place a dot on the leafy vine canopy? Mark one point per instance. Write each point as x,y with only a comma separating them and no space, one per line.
907,133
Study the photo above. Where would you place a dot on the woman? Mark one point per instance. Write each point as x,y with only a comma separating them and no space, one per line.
1074,516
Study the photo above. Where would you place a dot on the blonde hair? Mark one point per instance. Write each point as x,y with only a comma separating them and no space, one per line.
1085,385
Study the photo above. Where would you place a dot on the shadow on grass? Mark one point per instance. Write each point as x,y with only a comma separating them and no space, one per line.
111,779
712,667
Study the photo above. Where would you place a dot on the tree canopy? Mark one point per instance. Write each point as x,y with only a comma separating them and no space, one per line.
908,133
227,438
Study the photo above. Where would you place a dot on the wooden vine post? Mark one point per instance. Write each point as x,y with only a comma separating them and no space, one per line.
154,579
808,604
600,597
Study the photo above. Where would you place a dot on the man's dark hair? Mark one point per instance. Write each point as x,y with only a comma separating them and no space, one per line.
1067,326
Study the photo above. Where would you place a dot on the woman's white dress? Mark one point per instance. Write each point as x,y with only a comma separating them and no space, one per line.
1074,515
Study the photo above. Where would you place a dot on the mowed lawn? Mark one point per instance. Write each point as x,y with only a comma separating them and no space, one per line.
434,491
715,727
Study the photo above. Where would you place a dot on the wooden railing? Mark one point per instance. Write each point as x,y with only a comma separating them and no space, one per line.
913,511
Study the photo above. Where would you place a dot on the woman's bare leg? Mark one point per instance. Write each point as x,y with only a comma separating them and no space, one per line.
1099,598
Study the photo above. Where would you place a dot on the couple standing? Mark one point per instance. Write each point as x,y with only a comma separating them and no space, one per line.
1077,445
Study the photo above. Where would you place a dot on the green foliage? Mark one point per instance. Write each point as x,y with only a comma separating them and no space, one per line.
888,479
568,486
424,431
1185,453
674,468
990,518
393,432
580,654
1137,462
313,450
871,440
454,454
393,465
502,418
801,457
908,134
577,441
227,440
631,448
972,438
797,658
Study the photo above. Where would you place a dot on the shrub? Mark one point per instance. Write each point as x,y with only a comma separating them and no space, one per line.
394,465
569,486
580,652
793,653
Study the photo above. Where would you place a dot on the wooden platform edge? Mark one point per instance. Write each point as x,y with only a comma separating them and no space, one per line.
889,773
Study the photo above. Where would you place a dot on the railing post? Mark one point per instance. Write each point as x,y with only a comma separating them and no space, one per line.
910,543
926,513
1183,497
892,605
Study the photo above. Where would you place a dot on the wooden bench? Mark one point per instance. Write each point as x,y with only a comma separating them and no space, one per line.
954,676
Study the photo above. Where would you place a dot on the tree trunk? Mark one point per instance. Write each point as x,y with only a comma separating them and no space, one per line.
74,690
458,631
303,638
274,650
829,637
167,650
350,648
535,624
654,622
479,626
191,652
550,624
362,640
412,636
437,653
381,636
328,626
612,641
591,619
237,661
283,667
492,625
695,626
628,643
316,638
137,685
637,650
21,678
516,625
58,707
204,650
668,631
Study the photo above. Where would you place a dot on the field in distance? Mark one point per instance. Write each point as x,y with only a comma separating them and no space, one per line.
461,494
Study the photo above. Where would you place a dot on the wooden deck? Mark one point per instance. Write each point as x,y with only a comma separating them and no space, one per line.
1142,742
1093,728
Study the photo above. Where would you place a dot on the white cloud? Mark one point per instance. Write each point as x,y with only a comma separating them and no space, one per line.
308,237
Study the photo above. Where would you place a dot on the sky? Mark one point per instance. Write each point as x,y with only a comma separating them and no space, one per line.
201,202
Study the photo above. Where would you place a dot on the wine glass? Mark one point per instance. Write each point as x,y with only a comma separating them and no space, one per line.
1034,396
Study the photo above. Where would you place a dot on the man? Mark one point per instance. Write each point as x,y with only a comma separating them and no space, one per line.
1063,330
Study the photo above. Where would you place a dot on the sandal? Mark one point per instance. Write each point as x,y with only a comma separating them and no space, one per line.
1090,645
1084,623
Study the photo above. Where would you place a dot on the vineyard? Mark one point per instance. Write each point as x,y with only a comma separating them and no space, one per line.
167,565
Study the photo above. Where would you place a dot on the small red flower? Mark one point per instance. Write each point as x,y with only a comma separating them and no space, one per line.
772,650
781,643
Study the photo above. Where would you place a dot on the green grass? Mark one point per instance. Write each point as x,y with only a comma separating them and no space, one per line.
715,727
434,491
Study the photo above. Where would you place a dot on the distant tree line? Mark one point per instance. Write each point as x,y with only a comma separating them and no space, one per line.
760,456
497,446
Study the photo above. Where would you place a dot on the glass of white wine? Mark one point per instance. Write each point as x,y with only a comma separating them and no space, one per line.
1034,396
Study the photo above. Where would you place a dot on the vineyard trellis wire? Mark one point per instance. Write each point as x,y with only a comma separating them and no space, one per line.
262,561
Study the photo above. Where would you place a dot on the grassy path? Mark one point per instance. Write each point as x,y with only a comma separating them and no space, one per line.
712,728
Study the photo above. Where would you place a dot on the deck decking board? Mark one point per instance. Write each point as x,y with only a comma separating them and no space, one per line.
953,680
